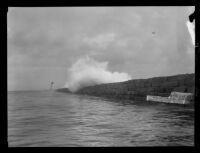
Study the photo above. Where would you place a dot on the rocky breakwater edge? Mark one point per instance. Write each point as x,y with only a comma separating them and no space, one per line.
138,89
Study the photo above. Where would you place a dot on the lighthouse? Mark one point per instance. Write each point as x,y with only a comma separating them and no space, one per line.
51,85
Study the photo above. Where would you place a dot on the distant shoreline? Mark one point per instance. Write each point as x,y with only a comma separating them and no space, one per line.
27,90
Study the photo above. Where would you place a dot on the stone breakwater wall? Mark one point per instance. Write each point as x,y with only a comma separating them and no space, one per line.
138,89
66,90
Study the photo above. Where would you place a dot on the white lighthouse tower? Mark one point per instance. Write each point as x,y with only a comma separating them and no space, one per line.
51,87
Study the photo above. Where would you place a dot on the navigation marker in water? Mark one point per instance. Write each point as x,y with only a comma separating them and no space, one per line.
51,85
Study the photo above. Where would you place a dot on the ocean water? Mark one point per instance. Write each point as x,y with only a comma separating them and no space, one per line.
49,118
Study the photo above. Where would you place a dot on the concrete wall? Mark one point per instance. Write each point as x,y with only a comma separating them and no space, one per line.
138,89
175,97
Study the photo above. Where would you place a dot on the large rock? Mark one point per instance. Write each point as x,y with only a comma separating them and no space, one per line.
170,84
191,89
180,89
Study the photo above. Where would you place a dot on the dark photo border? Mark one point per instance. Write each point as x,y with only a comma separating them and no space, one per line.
82,3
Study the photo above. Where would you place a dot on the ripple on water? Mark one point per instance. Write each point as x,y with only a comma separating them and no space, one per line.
58,119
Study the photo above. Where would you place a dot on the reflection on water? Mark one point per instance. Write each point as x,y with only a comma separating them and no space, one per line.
49,118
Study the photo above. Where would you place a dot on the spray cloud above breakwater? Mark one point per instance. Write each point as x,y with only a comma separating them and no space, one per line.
86,72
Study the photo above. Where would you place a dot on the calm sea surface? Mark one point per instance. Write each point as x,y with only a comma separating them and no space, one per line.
49,118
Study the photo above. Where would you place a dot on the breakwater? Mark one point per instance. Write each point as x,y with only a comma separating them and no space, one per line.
66,90
139,88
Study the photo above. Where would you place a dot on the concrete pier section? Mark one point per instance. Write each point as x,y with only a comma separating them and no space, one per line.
174,98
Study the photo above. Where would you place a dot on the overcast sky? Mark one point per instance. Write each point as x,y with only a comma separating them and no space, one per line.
43,43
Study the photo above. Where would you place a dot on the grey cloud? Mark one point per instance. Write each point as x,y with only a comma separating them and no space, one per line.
54,37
